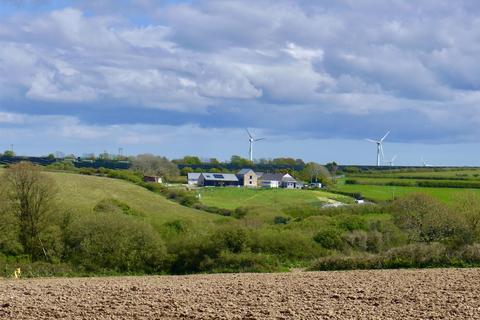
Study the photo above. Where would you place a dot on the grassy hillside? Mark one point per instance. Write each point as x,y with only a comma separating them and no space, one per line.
267,200
80,194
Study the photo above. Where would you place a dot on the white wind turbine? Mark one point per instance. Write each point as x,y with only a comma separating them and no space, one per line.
392,161
424,163
379,147
251,140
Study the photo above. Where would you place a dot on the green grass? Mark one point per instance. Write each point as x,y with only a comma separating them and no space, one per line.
79,194
382,193
273,200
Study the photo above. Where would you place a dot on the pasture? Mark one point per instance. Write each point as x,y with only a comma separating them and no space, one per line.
444,184
79,194
272,200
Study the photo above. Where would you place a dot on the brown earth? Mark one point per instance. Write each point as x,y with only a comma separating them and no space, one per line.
388,294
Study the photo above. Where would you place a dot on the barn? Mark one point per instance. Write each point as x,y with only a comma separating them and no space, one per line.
218,180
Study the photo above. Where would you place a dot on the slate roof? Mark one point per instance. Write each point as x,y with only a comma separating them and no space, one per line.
244,171
220,176
193,175
277,177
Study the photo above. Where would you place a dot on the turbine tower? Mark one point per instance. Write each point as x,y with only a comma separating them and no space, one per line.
251,140
379,147
391,162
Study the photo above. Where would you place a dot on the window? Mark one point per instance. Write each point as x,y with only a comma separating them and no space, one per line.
251,177
218,176
250,182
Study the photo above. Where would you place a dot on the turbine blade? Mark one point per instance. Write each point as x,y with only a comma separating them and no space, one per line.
394,157
259,139
381,150
249,134
370,140
381,140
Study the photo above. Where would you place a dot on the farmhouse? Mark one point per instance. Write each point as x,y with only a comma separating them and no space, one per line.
218,180
247,178
193,178
278,180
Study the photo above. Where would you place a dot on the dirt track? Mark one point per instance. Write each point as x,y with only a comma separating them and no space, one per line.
391,294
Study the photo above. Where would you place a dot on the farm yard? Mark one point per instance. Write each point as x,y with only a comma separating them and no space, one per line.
381,294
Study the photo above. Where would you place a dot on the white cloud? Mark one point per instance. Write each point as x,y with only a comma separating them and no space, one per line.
346,58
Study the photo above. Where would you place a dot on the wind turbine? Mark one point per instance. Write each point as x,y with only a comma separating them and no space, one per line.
379,147
391,162
425,164
251,140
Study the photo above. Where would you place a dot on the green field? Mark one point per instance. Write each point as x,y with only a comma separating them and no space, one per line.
382,193
270,200
79,194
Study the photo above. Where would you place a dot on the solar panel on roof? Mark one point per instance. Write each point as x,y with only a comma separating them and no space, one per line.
218,176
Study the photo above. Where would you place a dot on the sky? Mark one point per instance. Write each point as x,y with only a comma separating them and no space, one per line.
175,78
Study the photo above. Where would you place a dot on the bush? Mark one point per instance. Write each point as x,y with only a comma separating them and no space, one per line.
424,218
111,205
351,222
281,220
410,256
330,238
115,242
231,238
289,245
356,239
246,262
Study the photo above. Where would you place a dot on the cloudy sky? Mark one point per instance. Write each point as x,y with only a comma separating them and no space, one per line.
186,77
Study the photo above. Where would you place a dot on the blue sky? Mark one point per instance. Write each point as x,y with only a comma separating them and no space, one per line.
186,77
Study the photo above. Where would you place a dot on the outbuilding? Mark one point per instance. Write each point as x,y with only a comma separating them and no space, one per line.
218,180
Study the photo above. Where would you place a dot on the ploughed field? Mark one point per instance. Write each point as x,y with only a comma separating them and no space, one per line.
379,294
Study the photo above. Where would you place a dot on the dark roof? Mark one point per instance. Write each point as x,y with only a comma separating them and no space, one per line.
245,171
277,177
220,176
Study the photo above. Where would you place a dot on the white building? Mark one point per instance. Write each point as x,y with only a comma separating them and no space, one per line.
193,178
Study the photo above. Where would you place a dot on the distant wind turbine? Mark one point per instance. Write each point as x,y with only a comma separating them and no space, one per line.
379,147
391,162
424,163
251,140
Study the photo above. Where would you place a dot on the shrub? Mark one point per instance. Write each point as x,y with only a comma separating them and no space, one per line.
330,238
409,256
193,253
111,205
424,218
231,238
356,239
246,262
281,220
115,242
290,245
351,222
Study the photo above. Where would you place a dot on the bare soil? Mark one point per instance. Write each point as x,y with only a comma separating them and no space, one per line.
386,294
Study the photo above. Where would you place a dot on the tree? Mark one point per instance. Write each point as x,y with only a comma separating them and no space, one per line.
148,164
332,167
467,207
240,162
316,172
214,161
30,194
9,153
424,218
